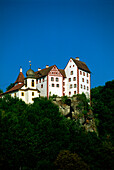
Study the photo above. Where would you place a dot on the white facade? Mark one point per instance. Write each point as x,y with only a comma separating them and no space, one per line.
71,78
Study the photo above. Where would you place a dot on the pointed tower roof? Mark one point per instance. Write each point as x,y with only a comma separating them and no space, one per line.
20,78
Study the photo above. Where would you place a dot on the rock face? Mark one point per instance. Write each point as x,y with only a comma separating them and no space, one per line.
71,110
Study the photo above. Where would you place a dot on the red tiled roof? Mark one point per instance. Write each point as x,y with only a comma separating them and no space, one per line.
15,88
20,78
81,65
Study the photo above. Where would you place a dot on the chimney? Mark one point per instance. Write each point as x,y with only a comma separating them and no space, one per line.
39,69
20,69
77,58
47,66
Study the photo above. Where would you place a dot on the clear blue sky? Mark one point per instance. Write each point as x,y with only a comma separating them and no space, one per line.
49,32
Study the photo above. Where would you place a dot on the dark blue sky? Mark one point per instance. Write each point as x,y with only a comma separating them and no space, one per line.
49,32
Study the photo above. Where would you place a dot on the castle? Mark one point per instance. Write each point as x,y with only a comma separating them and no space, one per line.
74,79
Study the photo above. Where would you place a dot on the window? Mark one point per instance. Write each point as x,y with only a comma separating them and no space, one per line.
25,83
22,93
57,85
71,73
52,79
39,80
87,88
43,79
87,74
74,78
32,93
41,85
69,93
84,87
14,94
83,73
57,79
87,81
70,66
52,85
63,83
74,85
82,79
63,89
32,83
81,86
73,65
80,72
36,81
69,79
70,86
74,92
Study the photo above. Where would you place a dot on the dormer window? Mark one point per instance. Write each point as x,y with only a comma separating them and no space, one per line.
32,83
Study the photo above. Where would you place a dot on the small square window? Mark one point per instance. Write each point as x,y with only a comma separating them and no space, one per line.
83,73
41,85
57,85
82,79
74,85
69,79
52,79
70,86
22,93
80,72
87,81
52,85
39,80
32,83
74,92
74,78
57,79
87,88
69,93
71,73
81,86
84,87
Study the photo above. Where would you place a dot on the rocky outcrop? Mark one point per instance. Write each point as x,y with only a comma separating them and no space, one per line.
71,111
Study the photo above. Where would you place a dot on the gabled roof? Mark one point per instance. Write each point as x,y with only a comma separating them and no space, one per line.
81,65
15,88
62,72
20,78
44,72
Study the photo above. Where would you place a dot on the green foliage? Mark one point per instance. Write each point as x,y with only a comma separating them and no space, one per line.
33,136
103,108
68,160
66,100
1,91
10,86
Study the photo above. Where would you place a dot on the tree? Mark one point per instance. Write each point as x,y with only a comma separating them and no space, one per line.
103,108
1,91
10,86
68,160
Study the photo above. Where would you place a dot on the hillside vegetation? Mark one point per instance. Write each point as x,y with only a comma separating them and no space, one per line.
38,137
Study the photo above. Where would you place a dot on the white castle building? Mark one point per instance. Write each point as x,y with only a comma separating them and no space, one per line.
74,79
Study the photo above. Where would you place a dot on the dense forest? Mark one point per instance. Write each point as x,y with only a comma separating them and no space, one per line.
38,137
